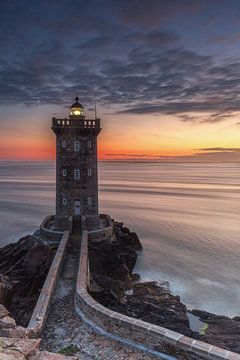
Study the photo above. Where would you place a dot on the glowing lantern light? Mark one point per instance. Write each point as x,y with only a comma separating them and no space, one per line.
76,109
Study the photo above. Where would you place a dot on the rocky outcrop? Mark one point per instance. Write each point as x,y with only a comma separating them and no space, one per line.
17,349
112,263
221,330
155,304
23,268
15,346
8,326
114,285
27,349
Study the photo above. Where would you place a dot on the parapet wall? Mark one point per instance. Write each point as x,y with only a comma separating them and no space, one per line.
105,230
40,312
151,336
47,233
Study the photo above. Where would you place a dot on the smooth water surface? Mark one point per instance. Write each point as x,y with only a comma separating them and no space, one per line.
186,215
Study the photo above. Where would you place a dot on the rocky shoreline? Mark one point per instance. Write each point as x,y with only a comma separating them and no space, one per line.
25,264
115,286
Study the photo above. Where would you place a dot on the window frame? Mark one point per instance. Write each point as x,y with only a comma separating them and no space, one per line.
77,171
76,145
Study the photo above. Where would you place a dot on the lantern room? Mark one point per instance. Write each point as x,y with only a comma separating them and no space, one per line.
76,109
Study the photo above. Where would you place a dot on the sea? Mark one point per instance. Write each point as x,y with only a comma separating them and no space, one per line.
187,216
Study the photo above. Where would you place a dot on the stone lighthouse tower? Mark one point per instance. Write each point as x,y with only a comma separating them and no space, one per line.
76,165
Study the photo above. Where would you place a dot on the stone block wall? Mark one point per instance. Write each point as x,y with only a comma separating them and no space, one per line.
49,234
104,230
39,315
151,336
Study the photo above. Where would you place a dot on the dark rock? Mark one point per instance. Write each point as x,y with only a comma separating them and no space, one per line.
135,277
111,267
125,230
112,263
136,242
221,331
23,266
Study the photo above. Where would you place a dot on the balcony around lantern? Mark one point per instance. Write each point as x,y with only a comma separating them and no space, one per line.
75,123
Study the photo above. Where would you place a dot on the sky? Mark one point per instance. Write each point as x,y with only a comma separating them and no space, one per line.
164,75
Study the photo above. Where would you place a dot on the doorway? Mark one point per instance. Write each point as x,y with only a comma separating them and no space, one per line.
77,207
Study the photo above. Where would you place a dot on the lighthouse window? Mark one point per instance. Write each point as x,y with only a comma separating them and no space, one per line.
89,144
76,145
77,174
89,172
64,201
89,201
64,172
64,143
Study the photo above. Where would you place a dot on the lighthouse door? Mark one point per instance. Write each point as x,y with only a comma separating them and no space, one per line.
77,207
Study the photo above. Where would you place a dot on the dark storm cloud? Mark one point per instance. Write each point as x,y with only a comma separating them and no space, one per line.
123,54
145,13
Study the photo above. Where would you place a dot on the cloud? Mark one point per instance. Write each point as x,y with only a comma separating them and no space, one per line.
217,117
188,118
122,55
132,155
220,149
149,14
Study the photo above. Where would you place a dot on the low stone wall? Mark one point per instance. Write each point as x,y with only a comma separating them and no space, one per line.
39,315
105,232
49,234
151,336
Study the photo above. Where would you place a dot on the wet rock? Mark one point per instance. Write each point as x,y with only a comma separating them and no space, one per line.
221,330
135,277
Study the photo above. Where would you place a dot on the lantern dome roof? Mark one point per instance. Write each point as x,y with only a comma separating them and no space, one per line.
76,104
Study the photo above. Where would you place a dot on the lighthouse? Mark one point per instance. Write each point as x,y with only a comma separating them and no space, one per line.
76,165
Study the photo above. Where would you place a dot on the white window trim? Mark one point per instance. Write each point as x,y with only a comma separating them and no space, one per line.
89,172
64,144
77,174
64,201
89,144
76,145
89,201
64,172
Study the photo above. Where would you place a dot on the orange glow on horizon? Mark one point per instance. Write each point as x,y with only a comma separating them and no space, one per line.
122,138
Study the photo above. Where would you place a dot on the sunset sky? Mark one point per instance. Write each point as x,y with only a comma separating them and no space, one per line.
165,75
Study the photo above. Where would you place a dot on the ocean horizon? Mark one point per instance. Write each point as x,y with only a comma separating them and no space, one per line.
185,214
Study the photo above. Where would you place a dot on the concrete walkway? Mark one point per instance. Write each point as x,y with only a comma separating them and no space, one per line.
64,327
